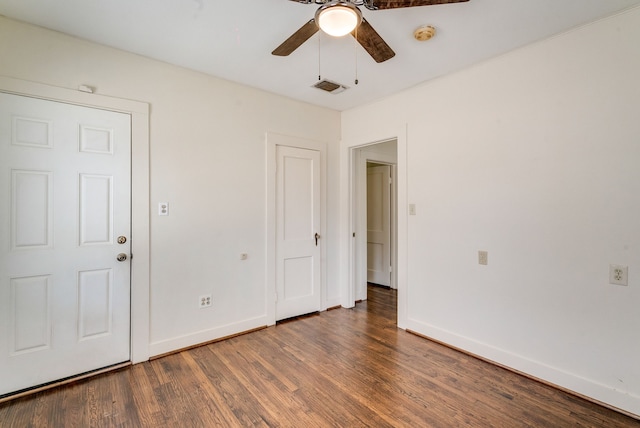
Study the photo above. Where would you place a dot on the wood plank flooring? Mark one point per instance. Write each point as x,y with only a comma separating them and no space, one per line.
343,368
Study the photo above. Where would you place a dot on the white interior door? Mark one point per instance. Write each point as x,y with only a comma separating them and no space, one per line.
64,201
379,225
298,240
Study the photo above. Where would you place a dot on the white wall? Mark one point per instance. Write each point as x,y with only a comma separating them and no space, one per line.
208,160
535,157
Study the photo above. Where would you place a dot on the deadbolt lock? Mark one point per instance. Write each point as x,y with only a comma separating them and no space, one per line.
122,239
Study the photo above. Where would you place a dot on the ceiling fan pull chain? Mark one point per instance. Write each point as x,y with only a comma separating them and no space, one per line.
319,74
355,52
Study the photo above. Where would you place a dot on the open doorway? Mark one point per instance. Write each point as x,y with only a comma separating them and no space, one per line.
379,224
375,218
353,266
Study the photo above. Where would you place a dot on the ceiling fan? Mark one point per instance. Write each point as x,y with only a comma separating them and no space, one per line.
347,12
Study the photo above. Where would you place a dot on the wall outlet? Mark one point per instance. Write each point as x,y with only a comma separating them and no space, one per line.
205,301
618,275
483,257
163,208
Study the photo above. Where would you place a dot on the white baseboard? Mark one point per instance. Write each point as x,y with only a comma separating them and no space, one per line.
598,392
204,336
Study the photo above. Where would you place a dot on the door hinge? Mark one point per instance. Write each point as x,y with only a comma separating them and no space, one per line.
390,180
354,234
390,269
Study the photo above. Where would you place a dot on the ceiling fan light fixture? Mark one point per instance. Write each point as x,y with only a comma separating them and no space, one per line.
338,18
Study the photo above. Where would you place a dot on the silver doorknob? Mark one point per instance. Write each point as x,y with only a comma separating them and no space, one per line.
121,257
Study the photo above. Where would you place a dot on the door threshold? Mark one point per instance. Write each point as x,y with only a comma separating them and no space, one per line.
298,317
373,284
29,391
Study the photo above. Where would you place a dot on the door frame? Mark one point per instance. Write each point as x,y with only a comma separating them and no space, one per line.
349,224
273,140
140,205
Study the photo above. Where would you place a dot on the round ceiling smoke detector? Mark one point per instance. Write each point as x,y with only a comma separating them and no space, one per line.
424,33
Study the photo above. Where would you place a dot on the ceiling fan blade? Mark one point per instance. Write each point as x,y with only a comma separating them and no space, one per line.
372,42
395,4
296,39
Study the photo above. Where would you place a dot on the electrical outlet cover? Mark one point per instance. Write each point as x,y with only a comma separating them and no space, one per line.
618,275
204,301
163,208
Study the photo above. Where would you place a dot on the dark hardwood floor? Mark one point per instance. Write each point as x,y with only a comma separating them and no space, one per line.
345,367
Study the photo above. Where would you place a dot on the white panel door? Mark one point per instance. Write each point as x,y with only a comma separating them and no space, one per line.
64,201
379,225
298,240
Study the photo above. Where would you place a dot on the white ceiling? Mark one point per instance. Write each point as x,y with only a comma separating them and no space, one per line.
233,39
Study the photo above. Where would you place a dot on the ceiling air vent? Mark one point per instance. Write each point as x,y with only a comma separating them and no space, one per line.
329,86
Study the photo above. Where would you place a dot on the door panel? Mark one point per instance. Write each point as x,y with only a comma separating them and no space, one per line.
297,222
298,277
30,322
32,215
64,198
96,209
94,305
378,225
